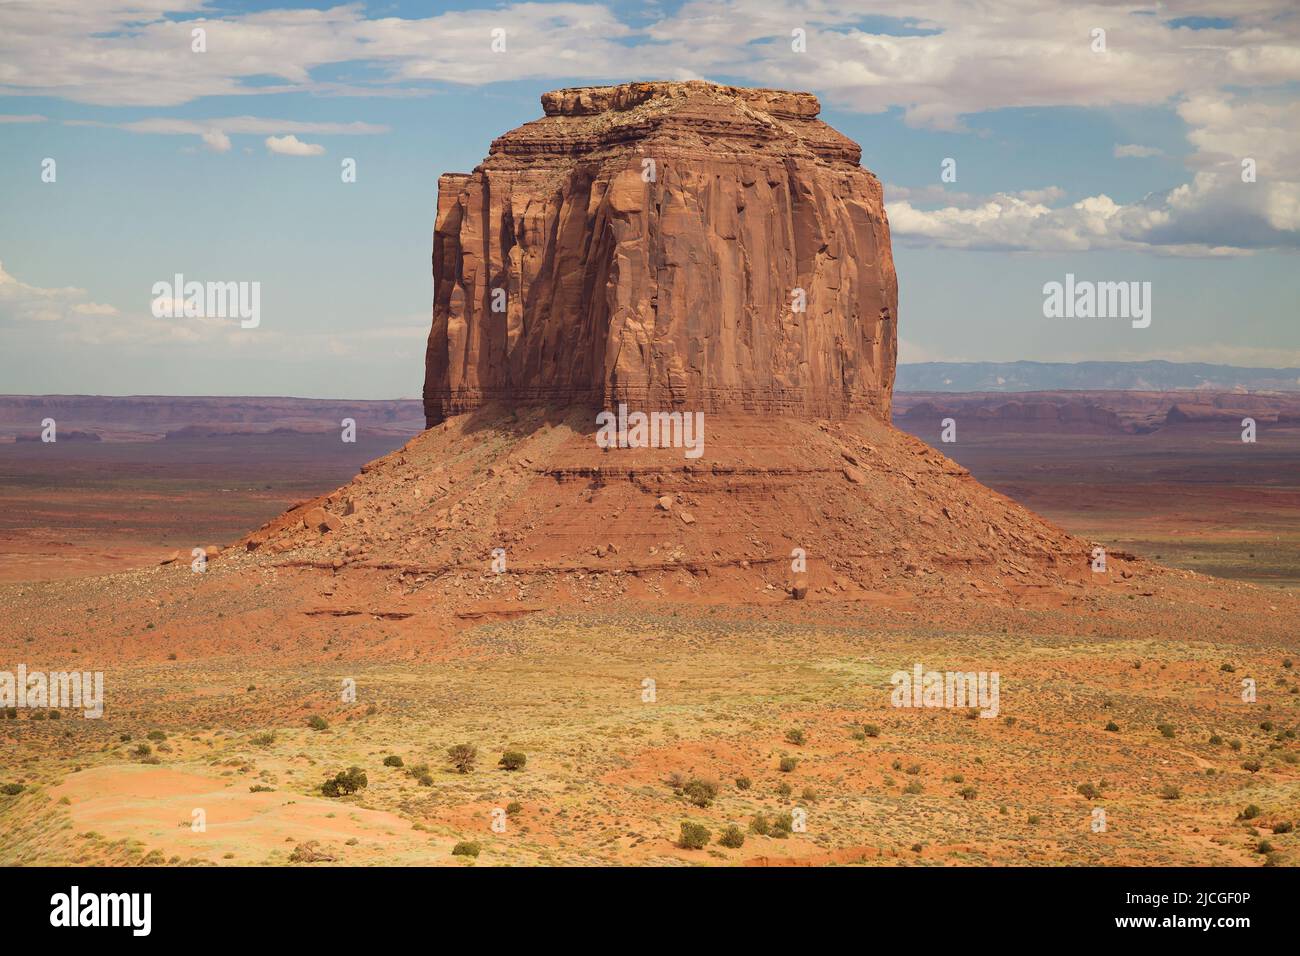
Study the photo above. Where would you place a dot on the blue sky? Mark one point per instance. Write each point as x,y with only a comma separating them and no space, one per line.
1122,164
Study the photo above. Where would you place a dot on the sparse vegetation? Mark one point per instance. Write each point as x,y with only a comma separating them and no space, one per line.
694,836
462,757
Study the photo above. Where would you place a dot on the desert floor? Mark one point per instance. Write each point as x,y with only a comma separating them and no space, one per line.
212,682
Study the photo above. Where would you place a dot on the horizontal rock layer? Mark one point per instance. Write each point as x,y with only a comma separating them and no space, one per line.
670,245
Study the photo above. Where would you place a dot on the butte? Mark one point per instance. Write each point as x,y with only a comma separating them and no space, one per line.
671,247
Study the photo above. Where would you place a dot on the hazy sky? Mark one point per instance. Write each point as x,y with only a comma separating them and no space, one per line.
1122,164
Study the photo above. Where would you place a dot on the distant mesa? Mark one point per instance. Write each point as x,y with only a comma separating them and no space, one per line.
668,245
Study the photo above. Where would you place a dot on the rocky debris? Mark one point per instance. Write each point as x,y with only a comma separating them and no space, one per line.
595,251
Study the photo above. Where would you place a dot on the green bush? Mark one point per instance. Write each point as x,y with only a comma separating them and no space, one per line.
1087,791
702,793
12,789
968,793
462,757
393,761
1113,727
513,807
732,838
1250,813
317,722
345,782
1166,730
467,848
512,760
694,836
759,825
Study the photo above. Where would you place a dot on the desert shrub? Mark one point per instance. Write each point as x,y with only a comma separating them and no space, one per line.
782,826
144,750
425,780
958,778
317,722
743,782
513,807
1166,730
1267,726
809,795
1235,744
156,735
392,760
871,730
968,793
345,782
261,788
56,715
1033,819
788,764
700,792
1087,791
1265,847
784,790
914,769
914,787
758,825
1283,826
1215,740
38,715
11,713
694,836
1250,813
467,848
462,757
676,780
512,760
732,838
1170,792
1227,668
12,789
795,736
1251,765
1112,727
263,740
1286,662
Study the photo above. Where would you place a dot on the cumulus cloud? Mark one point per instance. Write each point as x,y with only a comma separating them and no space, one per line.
216,140
292,146
954,61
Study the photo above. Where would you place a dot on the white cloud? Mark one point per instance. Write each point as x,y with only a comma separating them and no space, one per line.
20,302
216,140
1135,151
1001,53
22,118
292,146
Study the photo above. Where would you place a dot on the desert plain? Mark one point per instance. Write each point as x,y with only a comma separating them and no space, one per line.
648,647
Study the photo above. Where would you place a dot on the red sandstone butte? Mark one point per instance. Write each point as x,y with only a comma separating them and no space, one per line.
644,243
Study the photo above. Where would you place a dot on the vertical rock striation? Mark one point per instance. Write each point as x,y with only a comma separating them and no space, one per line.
669,245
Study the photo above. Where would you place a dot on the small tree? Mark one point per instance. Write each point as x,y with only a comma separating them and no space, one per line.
694,836
732,837
462,757
512,760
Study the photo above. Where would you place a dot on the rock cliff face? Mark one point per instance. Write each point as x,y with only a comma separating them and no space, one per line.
669,245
